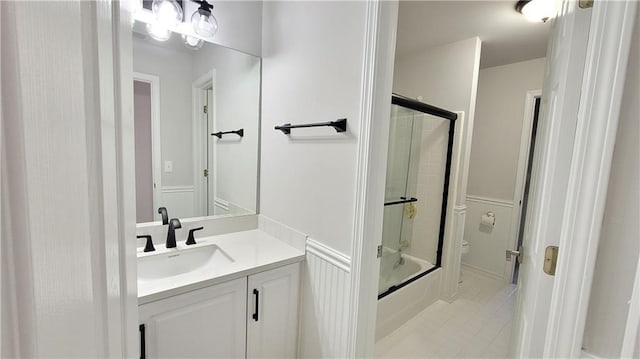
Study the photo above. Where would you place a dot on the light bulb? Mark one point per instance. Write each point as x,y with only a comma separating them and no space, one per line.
168,12
204,24
158,32
192,42
539,10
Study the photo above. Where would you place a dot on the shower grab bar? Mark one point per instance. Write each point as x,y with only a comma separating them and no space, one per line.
339,125
401,201
239,132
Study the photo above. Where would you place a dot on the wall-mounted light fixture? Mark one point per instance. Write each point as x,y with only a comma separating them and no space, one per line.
204,23
158,32
537,10
192,42
169,14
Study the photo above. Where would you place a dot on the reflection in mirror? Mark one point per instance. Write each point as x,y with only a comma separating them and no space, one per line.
189,105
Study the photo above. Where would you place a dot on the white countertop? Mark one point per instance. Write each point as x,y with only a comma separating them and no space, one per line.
250,252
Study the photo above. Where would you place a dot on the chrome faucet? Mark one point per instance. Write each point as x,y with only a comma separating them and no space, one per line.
174,224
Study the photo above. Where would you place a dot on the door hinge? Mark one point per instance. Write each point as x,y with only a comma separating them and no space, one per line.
585,4
550,260
379,255
206,172
204,109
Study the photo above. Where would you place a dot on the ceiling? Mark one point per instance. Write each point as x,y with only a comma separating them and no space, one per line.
507,37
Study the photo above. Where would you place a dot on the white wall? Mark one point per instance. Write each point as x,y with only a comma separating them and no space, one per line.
444,76
312,65
498,125
619,245
494,160
239,25
312,72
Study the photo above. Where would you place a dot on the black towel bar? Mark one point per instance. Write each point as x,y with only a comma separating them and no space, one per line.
402,200
239,132
339,125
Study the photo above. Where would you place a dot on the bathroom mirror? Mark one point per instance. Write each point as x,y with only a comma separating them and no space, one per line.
196,114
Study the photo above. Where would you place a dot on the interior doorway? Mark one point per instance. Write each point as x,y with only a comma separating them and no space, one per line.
491,88
524,198
147,150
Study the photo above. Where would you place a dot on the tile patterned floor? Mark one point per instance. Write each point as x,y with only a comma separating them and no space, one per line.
476,325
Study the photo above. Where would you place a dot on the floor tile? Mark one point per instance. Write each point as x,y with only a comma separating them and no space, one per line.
476,325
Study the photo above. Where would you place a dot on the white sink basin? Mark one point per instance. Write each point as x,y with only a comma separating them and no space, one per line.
181,261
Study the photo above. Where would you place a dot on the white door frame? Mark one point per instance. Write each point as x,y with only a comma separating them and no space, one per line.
602,87
521,176
156,148
200,137
609,40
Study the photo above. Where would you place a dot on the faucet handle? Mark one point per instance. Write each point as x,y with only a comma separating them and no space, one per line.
191,240
149,246
165,215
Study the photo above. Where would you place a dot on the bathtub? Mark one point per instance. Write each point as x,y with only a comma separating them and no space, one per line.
396,308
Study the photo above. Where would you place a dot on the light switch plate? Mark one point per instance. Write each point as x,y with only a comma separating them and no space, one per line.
168,166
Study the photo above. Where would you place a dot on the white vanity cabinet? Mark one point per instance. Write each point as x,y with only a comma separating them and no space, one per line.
249,317
205,323
272,313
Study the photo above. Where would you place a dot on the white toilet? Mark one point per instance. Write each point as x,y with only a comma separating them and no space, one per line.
465,250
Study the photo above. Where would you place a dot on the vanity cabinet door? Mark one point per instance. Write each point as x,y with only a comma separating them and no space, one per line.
272,313
205,323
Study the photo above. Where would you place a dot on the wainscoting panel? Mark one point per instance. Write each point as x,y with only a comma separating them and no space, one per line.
178,200
325,303
451,256
487,247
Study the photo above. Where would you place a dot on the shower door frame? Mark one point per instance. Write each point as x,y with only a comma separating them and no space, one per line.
425,108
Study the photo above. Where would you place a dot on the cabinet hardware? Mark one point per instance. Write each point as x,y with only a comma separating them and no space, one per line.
255,312
143,350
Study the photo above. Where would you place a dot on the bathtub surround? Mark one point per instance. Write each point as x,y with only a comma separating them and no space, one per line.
395,309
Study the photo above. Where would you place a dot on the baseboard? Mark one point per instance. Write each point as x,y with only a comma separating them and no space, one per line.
587,355
481,271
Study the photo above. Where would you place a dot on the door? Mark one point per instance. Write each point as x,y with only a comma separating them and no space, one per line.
206,323
551,163
272,313
211,152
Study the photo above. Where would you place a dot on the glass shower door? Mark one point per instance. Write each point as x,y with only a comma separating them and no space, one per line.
398,163
418,164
